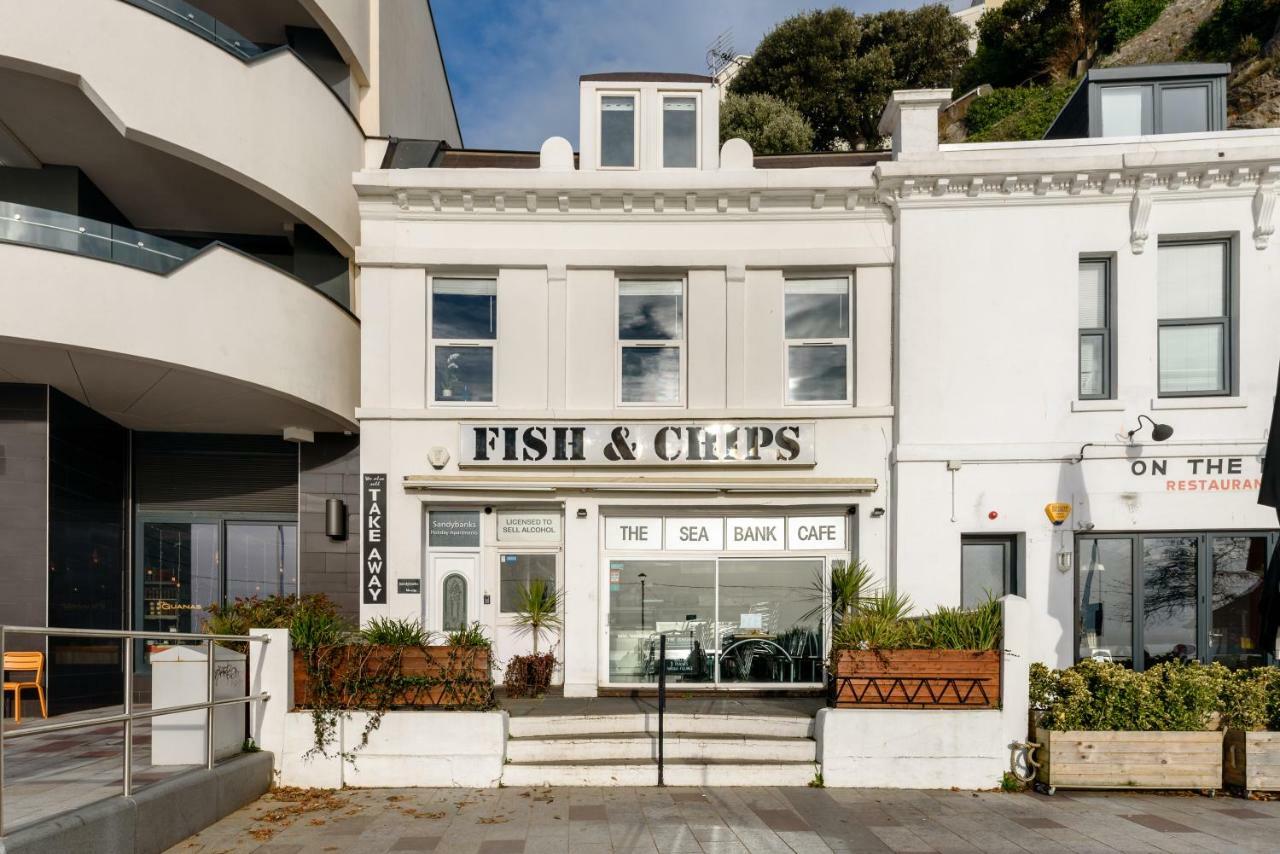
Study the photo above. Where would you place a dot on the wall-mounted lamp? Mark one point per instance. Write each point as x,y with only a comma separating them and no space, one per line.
335,518
877,513
1064,561
1159,432
582,513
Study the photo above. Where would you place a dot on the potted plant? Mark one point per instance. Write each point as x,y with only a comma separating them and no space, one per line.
881,658
537,609
1100,725
1251,717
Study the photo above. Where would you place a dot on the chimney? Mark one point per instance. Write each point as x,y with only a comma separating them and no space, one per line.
911,118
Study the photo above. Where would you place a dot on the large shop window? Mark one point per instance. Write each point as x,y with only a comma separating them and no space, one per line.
819,341
464,331
1162,578
1096,369
618,131
988,568
1195,318
650,341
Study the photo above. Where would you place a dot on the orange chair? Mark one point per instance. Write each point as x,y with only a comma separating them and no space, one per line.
25,662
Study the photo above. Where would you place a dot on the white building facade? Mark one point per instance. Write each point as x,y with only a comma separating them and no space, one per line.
679,383
660,381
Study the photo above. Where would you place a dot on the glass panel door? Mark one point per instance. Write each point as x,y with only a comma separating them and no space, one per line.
1170,587
672,597
179,579
1104,586
262,560
767,630
1235,619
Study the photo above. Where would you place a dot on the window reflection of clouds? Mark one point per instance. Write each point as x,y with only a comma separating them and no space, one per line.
811,315
817,373
647,317
650,375
464,316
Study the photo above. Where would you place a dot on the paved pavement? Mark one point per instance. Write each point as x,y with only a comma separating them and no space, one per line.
733,821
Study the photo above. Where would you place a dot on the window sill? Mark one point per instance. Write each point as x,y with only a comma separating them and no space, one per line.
1220,402
1097,406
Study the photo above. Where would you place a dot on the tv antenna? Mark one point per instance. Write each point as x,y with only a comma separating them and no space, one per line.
720,53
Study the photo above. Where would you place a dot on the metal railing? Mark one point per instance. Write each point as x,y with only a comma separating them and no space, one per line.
202,24
83,236
128,715
662,704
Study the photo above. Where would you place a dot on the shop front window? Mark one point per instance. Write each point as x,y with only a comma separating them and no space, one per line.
1169,593
517,571
1235,635
1105,585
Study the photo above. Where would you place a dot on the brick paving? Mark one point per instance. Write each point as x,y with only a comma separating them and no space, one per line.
735,821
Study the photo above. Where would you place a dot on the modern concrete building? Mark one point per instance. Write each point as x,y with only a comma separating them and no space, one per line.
657,378
179,346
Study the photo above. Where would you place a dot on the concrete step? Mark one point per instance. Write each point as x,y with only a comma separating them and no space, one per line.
686,746
636,773
775,726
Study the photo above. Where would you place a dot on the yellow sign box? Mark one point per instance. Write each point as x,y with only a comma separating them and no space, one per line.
1057,512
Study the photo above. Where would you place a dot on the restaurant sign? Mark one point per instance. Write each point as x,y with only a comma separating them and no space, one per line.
1197,474
755,443
373,571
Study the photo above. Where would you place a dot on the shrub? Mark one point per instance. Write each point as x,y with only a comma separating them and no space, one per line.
1251,700
1235,30
1022,114
1099,695
469,636
392,632
767,123
1124,19
882,623
313,629
273,612
529,675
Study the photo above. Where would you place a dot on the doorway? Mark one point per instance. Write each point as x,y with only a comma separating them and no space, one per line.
453,600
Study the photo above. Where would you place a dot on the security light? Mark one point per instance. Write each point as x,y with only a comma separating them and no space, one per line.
1159,432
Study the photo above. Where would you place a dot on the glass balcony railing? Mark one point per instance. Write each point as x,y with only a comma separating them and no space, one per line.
202,24
68,233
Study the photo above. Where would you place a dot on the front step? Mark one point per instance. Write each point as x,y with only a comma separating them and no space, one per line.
772,726
642,746
681,773
622,750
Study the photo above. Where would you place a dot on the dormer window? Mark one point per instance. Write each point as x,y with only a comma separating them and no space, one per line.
679,132
618,131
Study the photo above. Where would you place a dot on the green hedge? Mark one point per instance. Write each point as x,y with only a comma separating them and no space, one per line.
1016,114
1237,30
1095,695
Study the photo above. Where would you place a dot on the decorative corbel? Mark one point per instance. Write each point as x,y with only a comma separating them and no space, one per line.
1009,184
1043,184
1140,212
889,201
1177,179
908,188
659,201
499,202
722,203
691,202
1110,182
851,200
402,199
437,202
563,200
1207,178
596,202
819,199
1078,183
627,202
468,201
1237,176
975,187
941,186
531,202
1264,207
753,201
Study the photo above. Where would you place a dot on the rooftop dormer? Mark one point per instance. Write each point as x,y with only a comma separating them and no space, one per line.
644,121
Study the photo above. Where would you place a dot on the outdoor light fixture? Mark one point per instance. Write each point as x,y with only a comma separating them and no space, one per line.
582,512
335,518
1159,432
877,513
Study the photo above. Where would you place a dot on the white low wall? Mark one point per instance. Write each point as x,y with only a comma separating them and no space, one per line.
932,748
414,748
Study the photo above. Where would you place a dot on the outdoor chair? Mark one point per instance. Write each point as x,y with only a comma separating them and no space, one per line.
24,662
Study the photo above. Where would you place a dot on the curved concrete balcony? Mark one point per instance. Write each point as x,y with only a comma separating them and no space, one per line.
158,336
346,23
262,120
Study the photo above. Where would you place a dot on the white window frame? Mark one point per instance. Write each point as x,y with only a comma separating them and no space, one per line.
433,342
788,343
665,96
681,343
636,128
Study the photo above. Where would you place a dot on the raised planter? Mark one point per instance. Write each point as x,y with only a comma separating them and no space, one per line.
1093,759
1251,760
916,679
450,677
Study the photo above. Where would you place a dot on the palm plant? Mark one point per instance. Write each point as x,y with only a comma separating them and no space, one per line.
848,588
537,608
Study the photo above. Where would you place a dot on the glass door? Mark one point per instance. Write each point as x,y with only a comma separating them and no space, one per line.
179,577
1235,619
1170,595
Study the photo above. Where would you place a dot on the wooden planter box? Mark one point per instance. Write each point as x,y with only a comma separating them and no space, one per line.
1251,760
916,679
1086,759
465,671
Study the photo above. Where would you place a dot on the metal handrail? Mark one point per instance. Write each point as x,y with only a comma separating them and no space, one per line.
128,715
662,703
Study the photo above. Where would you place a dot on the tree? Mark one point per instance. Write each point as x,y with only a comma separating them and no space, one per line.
1032,41
769,125
837,69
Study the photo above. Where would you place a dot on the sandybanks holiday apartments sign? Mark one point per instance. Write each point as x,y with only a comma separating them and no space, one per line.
602,444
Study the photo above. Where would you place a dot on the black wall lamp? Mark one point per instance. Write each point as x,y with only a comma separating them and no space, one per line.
1159,432
335,518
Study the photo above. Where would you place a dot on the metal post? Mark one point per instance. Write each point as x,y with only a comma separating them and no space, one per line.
16,699
662,701
128,721
208,730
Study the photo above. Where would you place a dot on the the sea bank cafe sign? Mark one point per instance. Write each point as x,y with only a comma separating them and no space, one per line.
755,443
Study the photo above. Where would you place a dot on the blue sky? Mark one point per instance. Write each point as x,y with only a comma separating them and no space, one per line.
514,64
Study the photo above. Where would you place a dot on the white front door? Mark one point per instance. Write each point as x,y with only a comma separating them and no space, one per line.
453,597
